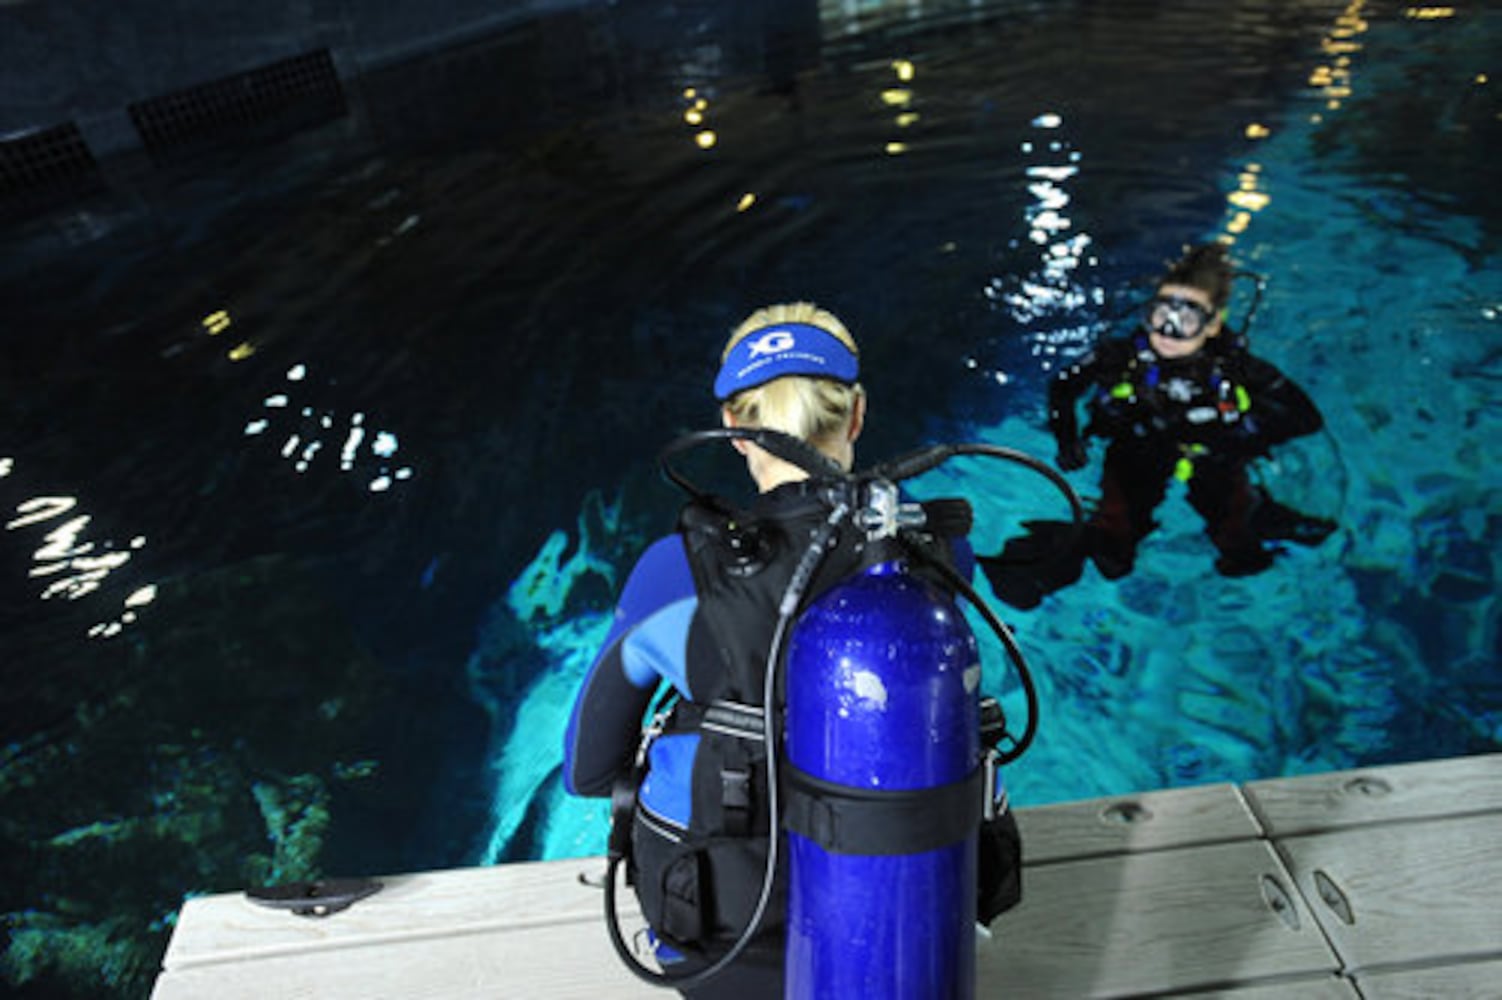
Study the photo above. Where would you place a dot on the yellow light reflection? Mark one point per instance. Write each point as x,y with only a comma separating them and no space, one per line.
243,351
906,118
904,69
747,200
1335,81
216,322
1429,13
893,148
695,115
897,97
1252,201
1332,77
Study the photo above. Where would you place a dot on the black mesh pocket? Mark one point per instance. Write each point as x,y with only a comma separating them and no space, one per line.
671,882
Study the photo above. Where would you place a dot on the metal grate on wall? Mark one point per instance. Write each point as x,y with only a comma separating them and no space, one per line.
46,162
292,93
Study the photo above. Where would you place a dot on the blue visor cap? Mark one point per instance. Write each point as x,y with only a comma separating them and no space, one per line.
785,349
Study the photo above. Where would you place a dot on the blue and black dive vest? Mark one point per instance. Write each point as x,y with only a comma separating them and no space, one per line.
698,883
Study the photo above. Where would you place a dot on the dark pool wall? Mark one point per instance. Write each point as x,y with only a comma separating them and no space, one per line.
86,62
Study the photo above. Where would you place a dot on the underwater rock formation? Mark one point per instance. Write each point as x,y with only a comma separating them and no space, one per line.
208,769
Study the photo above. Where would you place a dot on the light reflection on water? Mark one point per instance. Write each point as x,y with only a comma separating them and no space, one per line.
1050,299
68,563
311,430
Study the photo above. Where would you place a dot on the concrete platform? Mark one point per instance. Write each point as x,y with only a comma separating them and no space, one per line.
1378,883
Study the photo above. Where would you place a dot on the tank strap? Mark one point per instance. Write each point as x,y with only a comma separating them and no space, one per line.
865,821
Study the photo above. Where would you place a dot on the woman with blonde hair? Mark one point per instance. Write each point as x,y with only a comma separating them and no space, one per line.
771,379
697,613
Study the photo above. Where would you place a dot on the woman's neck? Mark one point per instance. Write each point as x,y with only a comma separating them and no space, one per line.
770,472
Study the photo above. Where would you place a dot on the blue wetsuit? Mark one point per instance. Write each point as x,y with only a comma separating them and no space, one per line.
647,643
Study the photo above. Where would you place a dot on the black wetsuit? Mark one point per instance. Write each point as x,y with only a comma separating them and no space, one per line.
1202,418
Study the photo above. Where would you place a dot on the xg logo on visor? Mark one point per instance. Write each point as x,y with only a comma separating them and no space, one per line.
772,343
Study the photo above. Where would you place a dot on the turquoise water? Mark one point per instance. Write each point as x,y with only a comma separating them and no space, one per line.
321,465
1379,646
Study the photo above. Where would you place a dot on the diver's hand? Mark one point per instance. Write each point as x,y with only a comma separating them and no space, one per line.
1072,455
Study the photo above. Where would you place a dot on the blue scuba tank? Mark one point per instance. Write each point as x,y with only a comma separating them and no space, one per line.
883,791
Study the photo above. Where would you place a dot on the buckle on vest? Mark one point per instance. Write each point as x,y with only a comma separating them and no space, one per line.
735,801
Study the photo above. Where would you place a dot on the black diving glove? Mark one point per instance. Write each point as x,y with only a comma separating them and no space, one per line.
1072,455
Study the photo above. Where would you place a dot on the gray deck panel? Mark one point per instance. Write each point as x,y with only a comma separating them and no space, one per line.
228,927
1326,987
1190,918
1463,981
1414,892
572,960
1332,801
1123,824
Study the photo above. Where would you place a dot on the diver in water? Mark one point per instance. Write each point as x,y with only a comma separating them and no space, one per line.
698,612
1184,399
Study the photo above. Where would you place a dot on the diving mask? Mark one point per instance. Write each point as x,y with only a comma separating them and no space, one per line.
1177,317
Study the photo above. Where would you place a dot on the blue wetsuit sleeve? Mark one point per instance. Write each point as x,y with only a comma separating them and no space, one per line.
646,643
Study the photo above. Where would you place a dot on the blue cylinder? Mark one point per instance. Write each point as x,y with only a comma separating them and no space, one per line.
882,697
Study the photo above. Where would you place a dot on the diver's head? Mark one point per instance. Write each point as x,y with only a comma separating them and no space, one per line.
1189,306
792,367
